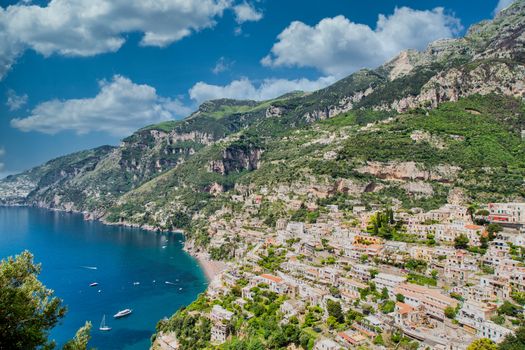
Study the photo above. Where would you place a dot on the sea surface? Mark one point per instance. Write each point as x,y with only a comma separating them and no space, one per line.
130,265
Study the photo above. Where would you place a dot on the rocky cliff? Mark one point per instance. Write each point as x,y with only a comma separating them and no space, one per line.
180,167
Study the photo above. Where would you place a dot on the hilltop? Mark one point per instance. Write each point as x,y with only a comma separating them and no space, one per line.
425,125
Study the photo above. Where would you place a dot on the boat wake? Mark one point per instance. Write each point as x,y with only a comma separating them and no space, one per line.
89,267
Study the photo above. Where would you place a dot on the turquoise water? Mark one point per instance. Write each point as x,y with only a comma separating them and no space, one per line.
66,246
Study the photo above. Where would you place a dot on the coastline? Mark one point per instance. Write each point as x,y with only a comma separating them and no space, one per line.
211,268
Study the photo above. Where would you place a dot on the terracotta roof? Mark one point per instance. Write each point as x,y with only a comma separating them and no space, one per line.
404,308
272,278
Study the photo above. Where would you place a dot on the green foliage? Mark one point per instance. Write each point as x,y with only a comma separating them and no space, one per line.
382,224
450,312
378,340
461,242
498,319
304,215
334,309
384,293
493,230
387,306
482,344
272,260
518,297
485,146
514,341
509,309
80,342
416,265
28,310
192,330
422,280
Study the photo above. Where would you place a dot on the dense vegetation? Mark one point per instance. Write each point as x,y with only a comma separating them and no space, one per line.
29,310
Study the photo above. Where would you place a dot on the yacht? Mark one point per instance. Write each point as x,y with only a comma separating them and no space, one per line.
123,313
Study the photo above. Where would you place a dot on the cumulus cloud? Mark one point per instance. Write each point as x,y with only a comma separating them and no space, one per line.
119,108
15,102
246,13
245,89
338,46
90,27
503,4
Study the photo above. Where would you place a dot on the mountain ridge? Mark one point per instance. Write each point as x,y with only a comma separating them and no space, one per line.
227,138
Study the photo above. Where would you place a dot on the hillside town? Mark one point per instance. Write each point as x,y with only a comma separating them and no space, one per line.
370,278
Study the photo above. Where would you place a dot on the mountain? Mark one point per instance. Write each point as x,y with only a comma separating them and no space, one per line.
442,124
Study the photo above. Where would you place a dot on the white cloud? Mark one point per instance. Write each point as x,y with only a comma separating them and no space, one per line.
90,27
503,4
15,102
245,89
338,46
119,108
246,13
222,65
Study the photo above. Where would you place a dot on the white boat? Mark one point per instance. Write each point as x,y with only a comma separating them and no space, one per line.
94,284
103,326
123,313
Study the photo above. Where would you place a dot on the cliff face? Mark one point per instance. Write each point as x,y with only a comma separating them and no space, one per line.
202,155
235,160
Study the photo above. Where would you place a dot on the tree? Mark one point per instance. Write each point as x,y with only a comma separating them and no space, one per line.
334,309
81,339
28,310
378,340
484,242
514,341
384,293
471,210
387,307
461,242
450,312
483,212
509,309
482,344
493,230
400,297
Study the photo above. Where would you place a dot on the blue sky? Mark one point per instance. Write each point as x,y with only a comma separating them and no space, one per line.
71,81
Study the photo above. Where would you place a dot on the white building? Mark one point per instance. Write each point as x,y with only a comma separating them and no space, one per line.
507,213
388,281
494,332
326,344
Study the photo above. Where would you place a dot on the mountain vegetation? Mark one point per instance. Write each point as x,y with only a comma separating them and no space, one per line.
442,124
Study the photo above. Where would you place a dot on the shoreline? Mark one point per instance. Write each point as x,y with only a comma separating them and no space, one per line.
211,268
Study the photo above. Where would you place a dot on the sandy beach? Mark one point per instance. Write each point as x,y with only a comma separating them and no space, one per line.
211,267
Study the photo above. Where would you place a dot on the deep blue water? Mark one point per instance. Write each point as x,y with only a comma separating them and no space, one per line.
65,245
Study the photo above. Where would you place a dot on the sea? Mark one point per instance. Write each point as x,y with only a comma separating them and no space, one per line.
148,272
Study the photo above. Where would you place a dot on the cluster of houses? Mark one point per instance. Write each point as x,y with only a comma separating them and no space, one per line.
337,253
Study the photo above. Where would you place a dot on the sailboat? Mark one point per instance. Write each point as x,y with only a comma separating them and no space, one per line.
103,326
